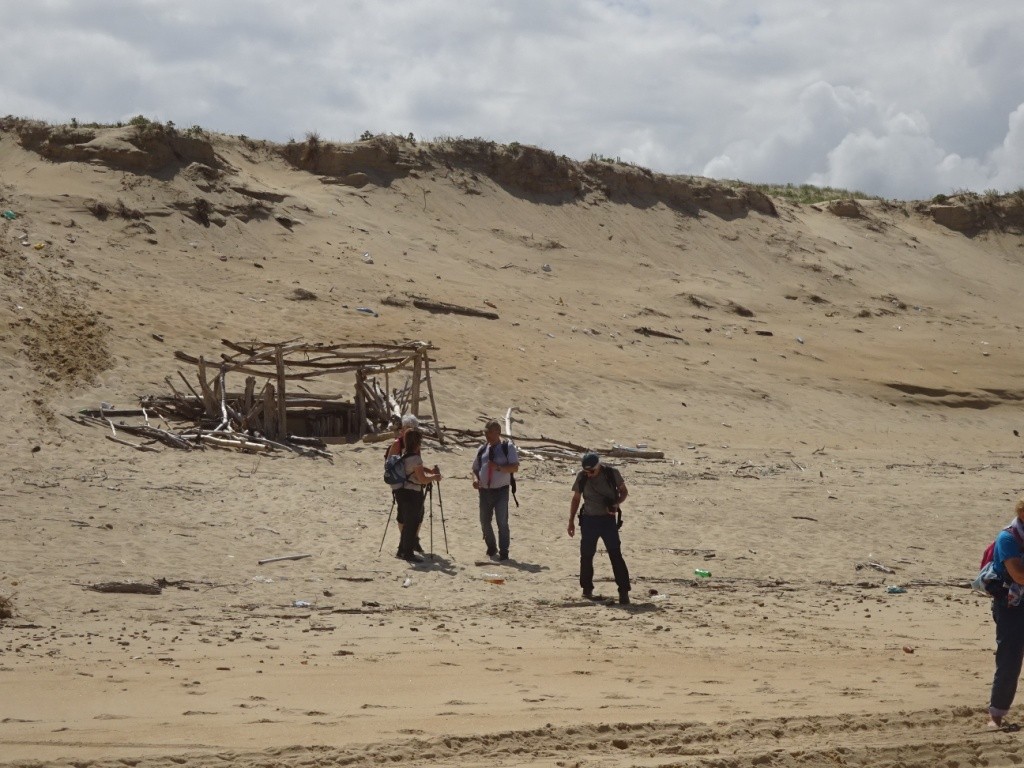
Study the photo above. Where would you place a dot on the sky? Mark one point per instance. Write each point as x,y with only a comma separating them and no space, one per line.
898,98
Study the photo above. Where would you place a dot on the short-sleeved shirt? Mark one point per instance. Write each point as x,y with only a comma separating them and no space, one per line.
497,454
599,496
1007,546
412,461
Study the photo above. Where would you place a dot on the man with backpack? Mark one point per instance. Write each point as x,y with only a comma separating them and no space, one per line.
494,468
602,490
1003,577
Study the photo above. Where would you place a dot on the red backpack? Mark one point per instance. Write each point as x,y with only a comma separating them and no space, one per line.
989,554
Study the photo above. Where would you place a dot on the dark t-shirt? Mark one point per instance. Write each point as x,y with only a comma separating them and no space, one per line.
600,497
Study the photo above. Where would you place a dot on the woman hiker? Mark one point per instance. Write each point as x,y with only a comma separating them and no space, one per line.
409,497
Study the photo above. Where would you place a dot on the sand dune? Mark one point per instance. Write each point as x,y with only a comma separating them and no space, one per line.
844,388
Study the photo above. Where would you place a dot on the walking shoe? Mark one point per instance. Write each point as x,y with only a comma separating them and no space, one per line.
491,551
418,547
503,555
589,594
623,598
411,557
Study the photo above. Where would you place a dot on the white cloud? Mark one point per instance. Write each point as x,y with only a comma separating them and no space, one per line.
1007,160
901,99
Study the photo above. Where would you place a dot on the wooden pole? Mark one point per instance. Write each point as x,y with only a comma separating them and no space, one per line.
433,406
190,387
360,402
250,390
282,409
269,428
209,401
222,394
417,373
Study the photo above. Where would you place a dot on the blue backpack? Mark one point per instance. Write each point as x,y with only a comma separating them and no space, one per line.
394,471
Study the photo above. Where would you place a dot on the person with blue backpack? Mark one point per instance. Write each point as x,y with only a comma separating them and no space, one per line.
397,448
494,470
1003,578
408,470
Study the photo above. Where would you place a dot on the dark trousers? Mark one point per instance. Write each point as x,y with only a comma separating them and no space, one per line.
1009,654
604,528
410,513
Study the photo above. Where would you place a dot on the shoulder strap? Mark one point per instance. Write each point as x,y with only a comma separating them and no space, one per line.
483,448
1013,529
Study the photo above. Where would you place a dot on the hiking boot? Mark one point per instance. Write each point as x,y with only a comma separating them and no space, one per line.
418,547
411,557
589,594
623,598
491,551
503,555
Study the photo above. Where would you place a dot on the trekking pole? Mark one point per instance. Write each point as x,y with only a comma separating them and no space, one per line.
430,490
440,505
387,524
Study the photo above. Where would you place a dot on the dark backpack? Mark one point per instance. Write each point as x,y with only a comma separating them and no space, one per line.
490,457
609,475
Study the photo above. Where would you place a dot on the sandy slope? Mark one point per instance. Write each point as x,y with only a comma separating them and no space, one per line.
875,423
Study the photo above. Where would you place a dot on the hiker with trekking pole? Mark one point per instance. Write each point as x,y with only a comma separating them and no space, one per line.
397,448
410,480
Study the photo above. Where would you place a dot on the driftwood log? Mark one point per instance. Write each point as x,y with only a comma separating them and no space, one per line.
130,444
236,445
281,558
622,452
443,307
126,587
645,331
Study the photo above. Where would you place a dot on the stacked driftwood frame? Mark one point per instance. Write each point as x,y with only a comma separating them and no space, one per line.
285,414
284,408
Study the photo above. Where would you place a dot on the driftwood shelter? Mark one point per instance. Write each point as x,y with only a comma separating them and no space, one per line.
289,399
279,401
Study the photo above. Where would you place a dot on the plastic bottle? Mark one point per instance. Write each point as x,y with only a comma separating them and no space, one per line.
10,215
700,573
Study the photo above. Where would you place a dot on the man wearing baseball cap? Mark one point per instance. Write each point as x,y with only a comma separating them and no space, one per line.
601,489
